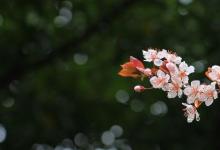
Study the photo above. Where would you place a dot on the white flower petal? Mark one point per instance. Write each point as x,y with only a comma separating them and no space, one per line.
215,95
208,102
197,116
195,83
190,118
191,99
172,94
187,91
178,60
183,66
202,97
152,51
153,81
147,56
158,62
184,104
185,80
166,87
162,54
213,76
213,84
216,68
190,69
160,73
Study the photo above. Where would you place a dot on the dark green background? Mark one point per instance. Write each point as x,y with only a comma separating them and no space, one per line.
46,96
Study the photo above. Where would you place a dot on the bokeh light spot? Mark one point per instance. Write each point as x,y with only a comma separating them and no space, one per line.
9,102
185,2
81,140
158,108
60,21
117,130
80,59
108,138
3,133
122,96
65,12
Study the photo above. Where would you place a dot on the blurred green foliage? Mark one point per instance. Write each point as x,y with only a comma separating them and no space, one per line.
47,100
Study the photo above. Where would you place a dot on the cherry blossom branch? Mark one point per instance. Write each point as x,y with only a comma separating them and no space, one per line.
171,74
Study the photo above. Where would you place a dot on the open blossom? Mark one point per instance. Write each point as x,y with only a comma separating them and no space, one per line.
208,93
192,91
185,71
174,88
173,58
129,69
190,112
214,73
160,80
182,72
154,56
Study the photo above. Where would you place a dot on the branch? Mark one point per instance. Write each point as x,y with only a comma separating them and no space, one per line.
20,69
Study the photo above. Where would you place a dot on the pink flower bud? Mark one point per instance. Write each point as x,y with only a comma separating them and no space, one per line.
146,71
139,88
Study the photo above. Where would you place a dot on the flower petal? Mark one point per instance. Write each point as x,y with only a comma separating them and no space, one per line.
191,99
195,83
160,73
187,91
190,69
208,102
158,62
172,94
172,68
183,66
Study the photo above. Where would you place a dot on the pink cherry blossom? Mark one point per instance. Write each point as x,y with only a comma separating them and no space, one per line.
160,80
182,72
162,54
214,73
208,93
185,71
190,112
153,56
192,91
174,88
173,58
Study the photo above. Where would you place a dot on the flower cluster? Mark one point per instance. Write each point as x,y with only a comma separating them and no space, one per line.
171,74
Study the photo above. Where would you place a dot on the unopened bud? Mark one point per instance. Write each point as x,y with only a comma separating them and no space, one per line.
139,88
146,71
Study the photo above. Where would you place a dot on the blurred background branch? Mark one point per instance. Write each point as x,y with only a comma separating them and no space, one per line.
107,18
